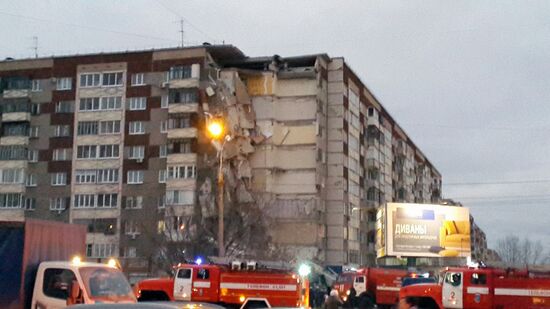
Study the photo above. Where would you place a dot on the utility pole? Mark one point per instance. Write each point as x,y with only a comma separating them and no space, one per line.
181,31
35,46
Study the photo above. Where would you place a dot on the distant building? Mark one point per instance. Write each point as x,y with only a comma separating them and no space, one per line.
115,141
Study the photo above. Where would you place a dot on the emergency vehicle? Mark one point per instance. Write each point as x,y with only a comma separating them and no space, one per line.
488,288
228,285
373,285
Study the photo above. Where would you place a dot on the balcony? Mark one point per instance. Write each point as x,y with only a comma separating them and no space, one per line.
181,184
183,77
182,133
16,87
177,158
14,140
14,110
183,108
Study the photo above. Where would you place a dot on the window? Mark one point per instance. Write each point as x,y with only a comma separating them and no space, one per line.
13,152
163,150
86,152
84,200
131,227
108,151
59,179
35,109
107,176
479,279
58,203
87,128
130,252
179,123
107,200
164,126
57,282
177,197
15,129
33,155
162,202
138,79
184,273
35,86
64,83
85,176
370,112
164,101
162,176
179,72
90,80
134,202
89,104
12,176
30,204
101,250
112,79
111,103
10,200
181,172
135,177
183,95
136,152
62,130
109,127
61,154
203,274
180,147
30,181
64,107
136,127
454,279
139,103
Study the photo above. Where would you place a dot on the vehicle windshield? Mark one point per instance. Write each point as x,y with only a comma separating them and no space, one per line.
106,284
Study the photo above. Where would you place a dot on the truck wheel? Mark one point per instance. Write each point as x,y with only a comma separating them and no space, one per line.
366,302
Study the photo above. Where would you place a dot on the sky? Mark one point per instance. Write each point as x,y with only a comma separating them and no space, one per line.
469,81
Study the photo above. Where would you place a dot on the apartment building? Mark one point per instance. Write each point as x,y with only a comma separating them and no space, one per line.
330,154
115,141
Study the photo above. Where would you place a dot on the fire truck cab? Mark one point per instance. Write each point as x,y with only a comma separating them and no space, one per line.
372,285
227,285
483,288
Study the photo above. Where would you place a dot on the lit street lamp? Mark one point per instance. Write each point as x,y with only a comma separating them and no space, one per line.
216,131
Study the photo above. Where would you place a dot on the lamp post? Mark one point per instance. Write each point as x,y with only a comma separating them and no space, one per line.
216,131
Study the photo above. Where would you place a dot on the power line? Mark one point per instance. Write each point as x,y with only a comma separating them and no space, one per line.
497,182
501,197
86,27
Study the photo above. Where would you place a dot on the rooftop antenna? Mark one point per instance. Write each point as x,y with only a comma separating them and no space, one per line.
35,46
181,31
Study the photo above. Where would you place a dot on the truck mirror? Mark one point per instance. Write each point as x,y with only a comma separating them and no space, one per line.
75,294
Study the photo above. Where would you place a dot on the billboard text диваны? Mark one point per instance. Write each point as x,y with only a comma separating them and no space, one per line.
423,230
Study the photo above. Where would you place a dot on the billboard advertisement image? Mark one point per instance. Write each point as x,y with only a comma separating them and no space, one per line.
423,230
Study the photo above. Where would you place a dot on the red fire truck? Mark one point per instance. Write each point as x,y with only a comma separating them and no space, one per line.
228,285
373,285
483,288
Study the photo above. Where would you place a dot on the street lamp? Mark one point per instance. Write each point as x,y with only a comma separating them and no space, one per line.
216,130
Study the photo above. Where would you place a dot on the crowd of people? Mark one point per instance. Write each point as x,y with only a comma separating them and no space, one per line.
333,301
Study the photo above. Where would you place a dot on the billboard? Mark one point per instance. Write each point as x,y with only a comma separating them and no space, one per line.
422,230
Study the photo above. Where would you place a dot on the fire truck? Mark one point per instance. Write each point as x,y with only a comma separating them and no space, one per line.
226,285
466,287
373,285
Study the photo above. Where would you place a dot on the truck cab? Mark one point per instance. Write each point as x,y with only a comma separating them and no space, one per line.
457,288
59,284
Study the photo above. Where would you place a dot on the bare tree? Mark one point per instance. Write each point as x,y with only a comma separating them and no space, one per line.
518,253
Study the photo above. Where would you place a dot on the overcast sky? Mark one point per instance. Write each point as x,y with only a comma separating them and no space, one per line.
469,81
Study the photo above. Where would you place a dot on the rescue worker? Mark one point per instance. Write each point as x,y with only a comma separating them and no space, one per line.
333,301
351,302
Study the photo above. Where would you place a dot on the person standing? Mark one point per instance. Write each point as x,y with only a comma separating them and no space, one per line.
333,301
